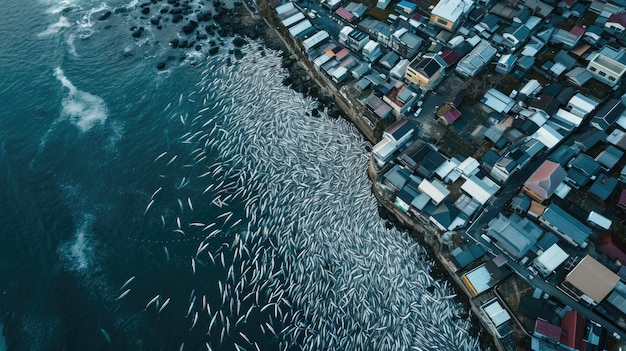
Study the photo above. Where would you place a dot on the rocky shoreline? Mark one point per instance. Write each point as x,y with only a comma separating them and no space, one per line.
299,79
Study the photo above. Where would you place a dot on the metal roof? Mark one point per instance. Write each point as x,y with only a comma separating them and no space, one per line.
592,278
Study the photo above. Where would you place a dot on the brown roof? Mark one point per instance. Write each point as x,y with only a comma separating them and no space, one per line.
546,179
592,278
536,208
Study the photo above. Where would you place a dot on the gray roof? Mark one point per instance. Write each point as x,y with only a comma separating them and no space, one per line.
566,223
609,157
563,154
515,233
466,255
589,138
583,167
397,176
608,114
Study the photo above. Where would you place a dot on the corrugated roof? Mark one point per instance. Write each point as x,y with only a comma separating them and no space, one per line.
546,329
592,279
550,259
566,224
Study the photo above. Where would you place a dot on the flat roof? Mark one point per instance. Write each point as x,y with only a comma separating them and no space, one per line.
592,278
452,9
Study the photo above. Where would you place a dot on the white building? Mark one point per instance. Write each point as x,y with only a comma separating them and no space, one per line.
550,260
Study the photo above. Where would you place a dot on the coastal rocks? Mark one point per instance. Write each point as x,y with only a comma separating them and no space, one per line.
105,16
138,32
161,66
214,50
239,42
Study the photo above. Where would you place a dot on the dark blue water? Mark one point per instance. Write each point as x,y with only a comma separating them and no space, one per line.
86,116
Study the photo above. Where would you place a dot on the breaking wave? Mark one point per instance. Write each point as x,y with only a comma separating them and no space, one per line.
83,109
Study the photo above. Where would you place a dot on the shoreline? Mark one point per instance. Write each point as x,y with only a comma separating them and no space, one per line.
301,73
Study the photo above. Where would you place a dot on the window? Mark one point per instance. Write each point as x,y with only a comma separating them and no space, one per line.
442,21
602,74
611,78
592,69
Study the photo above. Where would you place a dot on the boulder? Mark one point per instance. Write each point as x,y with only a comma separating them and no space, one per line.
174,43
105,16
161,66
239,42
214,50
145,10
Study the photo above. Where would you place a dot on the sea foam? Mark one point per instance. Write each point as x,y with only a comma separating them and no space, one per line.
83,109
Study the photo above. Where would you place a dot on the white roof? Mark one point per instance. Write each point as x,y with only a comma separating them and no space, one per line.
384,149
621,122
479,278
445,168
599,220
469,166
452,9
552,258
290,21
300,27
582,103
548,136
497,313
346,30
562,190
436,190
339,72
530,88
539,117
321,59
569,117
480,190
284,8
315,39
497,101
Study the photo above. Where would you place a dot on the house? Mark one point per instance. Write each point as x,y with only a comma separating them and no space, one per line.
578,76
498,316
445,217
613,246
399,70
448,114
401,97
544,181
549,260
389,60
378,106
545,103
405,43
515,234
598,220
608,65
569,39
548,135
463,256
573,326
617,138
480,189
563,154
357,9
616,24
608,114
427,71
435,190
506,63
422,158
355,38
405,7
396,177
581,105
484,277
497,101
448,14
609,157
516,36
591,281
603,187
581,170
503,169
565,225
476,60
371,51
315,40
589,139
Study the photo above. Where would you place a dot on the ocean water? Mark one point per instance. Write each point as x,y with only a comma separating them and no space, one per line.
197,207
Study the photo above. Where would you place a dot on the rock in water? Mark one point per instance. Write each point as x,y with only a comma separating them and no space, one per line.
105,16
161,66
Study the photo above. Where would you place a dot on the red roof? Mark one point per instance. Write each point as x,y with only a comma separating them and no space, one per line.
618,18
613,246
622,198
345,14
578,30
452,115
547,329
450,57
573,326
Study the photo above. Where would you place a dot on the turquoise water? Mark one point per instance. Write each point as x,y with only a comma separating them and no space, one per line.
208,182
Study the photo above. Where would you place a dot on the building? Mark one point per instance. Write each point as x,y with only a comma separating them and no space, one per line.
448,14
613,246
497,101
608,65
506,63
603,187
609,157
476,60
515,235
405,43
581,170
550,260
515,36
405,7
498,316
565,225
479,189
581,105
427,71
590,281
544,181
608,114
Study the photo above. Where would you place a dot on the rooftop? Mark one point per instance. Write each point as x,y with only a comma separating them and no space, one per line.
592,279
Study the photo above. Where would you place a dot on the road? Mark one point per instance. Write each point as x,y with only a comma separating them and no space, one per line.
491,211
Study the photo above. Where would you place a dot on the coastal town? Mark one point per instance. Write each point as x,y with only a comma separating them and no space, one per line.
499,130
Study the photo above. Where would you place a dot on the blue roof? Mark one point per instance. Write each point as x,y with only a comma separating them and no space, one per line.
566,224
603,187
407,4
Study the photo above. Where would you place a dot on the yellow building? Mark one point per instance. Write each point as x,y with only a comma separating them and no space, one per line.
448,14
426,71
